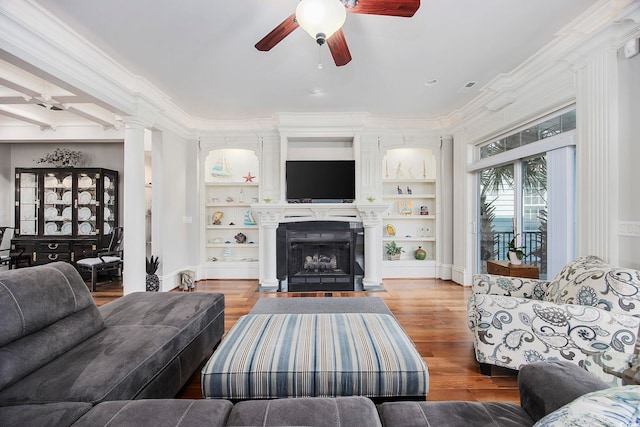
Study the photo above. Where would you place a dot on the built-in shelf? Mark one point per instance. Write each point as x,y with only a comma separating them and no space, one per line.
227,197
410,196
231,227
411,219
409,239
232,245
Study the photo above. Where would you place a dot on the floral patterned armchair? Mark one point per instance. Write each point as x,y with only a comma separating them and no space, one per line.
589,314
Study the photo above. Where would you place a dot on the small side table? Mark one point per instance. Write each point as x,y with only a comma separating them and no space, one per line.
505,268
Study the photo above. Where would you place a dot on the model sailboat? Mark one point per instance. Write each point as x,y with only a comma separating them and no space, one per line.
221,169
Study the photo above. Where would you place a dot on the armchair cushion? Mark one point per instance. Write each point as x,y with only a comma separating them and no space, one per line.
612,407
592,282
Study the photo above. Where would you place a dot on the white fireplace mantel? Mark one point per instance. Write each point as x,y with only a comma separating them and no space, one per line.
270,215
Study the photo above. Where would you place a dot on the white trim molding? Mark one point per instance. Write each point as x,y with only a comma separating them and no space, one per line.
629,229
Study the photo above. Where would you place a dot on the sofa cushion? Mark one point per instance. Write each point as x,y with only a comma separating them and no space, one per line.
33,298
353,411
52,414
546,386
613,407
177,309
592,282
46,311
454,414
146,332
158,413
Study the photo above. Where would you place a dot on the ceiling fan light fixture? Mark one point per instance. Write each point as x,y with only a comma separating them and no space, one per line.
321,18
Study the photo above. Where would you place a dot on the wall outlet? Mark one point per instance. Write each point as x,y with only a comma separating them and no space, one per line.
631,48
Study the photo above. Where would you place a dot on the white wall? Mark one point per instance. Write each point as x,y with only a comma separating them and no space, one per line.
174,200
629,159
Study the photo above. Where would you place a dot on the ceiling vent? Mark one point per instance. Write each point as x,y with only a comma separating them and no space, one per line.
467,87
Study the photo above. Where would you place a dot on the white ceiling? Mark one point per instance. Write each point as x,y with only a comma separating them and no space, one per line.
202,55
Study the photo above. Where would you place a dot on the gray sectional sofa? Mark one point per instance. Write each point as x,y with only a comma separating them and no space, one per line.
66,362
56,345
544,387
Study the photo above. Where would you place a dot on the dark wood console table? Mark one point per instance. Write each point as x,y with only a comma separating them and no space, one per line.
505,268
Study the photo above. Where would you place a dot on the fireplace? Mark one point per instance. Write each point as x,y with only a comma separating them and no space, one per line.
320,255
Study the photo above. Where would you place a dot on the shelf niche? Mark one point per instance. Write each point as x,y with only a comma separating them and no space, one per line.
231,185
409,188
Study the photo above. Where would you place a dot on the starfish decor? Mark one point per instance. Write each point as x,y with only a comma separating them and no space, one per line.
249,177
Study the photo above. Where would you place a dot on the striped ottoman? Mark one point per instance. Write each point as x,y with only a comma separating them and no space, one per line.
308,355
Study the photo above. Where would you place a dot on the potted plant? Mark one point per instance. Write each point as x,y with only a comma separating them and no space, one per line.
153,282
62,157
393,250
516,253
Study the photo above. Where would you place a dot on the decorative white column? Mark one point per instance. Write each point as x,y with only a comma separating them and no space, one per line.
371,216
268,220
134,208
445,213
597,155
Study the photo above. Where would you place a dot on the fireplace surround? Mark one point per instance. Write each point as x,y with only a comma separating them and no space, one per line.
320,255
271,215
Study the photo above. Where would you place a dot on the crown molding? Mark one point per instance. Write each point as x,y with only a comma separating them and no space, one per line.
546,80
45,45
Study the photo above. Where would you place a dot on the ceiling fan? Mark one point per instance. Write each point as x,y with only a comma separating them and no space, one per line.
323,20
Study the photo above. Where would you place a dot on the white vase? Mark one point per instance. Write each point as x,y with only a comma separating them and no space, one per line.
513,258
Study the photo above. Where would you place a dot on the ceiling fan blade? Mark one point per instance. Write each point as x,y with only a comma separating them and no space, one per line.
278,33
403,8
339,49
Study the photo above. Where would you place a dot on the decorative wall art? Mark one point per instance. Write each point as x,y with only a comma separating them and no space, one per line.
405,207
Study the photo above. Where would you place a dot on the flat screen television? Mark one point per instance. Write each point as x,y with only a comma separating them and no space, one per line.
321,181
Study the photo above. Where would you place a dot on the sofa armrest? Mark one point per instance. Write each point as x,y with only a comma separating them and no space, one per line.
547,386
509,286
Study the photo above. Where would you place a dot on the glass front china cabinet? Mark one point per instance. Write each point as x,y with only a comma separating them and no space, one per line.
64,214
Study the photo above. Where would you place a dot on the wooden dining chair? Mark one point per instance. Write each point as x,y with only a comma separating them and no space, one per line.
109,259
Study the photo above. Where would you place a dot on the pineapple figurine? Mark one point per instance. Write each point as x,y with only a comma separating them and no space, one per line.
153,282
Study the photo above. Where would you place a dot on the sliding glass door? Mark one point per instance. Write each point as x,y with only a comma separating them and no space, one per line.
533,218
513,204
497,198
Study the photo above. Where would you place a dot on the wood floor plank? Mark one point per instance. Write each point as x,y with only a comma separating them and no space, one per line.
432,312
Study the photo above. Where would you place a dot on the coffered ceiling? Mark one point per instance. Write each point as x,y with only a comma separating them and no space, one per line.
201,54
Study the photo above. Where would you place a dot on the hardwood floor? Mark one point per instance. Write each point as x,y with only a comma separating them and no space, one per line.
432,312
